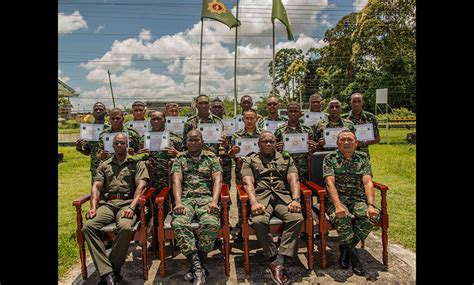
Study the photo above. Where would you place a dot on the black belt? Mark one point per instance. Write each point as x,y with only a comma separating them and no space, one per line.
117,196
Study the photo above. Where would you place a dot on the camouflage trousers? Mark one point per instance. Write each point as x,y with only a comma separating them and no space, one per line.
353,227
227,170
209,225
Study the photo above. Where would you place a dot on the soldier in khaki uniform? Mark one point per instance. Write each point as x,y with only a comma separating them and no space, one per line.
295,126
358,116
272,184
92,147
197,182
334,121
118,184
350,208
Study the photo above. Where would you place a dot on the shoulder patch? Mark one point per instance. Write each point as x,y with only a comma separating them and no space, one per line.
182,153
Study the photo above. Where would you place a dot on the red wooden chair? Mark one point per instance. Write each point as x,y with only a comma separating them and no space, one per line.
317,185
166,232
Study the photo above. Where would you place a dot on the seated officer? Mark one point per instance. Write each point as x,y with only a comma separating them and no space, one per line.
197,182
350,208
266,176
118,184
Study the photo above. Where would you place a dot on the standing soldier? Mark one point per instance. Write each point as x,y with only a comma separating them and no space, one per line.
334,121
294,125
92,147
351,208
273,104
358,116
197,181
246,104
217,109
118,184
172,109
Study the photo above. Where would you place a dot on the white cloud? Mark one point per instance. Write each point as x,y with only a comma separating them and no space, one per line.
63,78
69,23
99,28
145,35
359,4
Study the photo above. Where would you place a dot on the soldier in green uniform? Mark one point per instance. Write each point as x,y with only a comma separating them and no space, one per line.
217,109
116,120
250,130
358,116
172,109
246,104
138,111
273,104
118,184
204,115
350,205
334,121
272,184
197,181
295,126
92,147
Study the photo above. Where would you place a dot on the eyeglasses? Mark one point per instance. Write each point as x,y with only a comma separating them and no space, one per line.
119,142
334,107
272,104
99,109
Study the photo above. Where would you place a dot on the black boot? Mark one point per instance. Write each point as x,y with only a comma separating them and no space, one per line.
357,266
343,257
189,276
199,275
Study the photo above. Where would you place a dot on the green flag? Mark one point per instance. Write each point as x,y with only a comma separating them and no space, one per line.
279,12
214,9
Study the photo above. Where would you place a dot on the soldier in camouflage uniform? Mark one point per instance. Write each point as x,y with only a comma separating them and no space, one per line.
358,116
217,109
334,120
197,181
246,104
118,184
172,109
271,182
116,118
250,130
273,104
350,205
295,126
92,147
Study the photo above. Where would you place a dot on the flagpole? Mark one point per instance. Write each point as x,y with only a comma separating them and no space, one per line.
235,63
200,56
273,68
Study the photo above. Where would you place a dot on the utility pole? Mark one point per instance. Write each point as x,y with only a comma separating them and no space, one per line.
111,91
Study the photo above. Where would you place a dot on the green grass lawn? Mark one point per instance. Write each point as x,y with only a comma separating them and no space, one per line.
69,131
395,135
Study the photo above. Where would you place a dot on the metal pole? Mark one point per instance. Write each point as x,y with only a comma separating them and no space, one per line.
386,126
200,56
273,68
111,90
235,63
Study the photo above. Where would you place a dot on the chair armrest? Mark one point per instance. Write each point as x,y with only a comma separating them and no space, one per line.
225,196
145,196
242,194
380,186
305,190
317,189
81,200
160,198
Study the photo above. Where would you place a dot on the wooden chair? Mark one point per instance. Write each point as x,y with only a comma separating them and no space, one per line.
276,225
317,185
166,232
143,227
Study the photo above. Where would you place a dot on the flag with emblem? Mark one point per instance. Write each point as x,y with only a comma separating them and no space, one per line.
279,12
216,10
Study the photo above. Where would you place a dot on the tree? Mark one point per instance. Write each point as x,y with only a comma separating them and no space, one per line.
283,59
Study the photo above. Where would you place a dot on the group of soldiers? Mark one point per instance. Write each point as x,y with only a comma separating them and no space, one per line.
270,176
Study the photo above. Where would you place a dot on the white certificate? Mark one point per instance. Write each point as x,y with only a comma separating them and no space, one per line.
91,132
211,133
271,126
175,124
240,122
296,143
157,141
140,126
108,141
312,118
230,126
247,145
365,132
330,136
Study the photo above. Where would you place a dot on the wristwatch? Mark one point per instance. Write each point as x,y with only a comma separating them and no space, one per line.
297,200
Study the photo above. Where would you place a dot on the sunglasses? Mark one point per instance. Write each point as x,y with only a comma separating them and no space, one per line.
119,142
272,104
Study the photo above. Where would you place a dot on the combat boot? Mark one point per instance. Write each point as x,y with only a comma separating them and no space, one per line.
357,266
199,275
344,256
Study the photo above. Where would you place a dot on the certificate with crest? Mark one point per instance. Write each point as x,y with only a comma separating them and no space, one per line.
312,118
240,122
230,126
211,133
175,124
365,132
157,141
271,126
140,126
330,136
296,143
108,141
91,132
247,145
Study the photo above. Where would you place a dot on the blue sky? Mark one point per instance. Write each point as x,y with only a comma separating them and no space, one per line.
151,48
